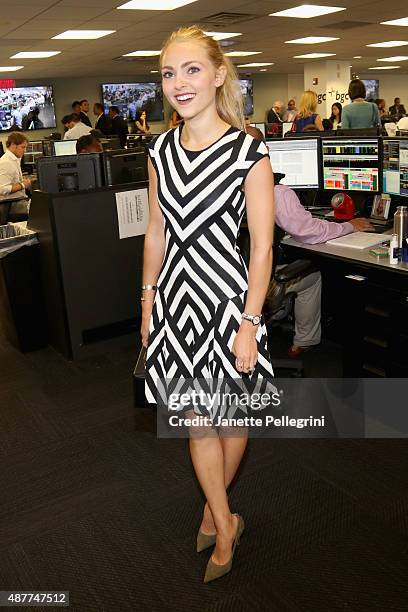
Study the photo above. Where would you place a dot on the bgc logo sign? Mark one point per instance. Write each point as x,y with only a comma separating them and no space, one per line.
334,96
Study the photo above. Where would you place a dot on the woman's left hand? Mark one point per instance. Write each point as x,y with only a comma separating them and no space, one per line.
245,348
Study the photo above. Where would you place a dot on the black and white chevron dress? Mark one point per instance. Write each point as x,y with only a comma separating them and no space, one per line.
203,281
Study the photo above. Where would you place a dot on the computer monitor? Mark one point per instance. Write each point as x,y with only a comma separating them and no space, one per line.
110,144
395,166
125,166
286,127
351,164
69,172
297,159
65,147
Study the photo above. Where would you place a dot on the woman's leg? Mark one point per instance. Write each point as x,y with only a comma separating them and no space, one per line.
233,449
208,460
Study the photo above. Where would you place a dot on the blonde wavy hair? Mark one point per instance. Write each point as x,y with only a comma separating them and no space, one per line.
228,97
308,103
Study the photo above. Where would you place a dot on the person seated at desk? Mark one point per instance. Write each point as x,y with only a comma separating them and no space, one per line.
76,128
292,217
307,113
397,110
142,127
89,144
12,184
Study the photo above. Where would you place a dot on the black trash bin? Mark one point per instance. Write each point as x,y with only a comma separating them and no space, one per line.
22,310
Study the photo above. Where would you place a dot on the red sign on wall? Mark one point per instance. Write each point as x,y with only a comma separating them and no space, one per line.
7,83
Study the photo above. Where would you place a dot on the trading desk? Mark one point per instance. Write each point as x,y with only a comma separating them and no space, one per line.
366,300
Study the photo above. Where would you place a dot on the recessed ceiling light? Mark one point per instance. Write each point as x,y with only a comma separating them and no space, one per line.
397,22
222,35
306,11
314,55
384,67
154,71
311,40
34,54
155,5
10,68
82,34
389,43
263,70
357,56
241,53
255,65
396,58
142,54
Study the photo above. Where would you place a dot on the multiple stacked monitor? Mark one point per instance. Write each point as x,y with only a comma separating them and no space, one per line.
61,169
359,164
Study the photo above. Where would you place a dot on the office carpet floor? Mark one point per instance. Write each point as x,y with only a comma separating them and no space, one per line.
92,502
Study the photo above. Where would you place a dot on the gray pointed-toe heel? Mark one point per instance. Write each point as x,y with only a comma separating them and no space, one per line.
205,541
214,570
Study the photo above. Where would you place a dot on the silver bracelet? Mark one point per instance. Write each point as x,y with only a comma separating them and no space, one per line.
149,287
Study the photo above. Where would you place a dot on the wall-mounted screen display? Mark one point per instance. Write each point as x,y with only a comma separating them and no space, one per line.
351,164
247,90
133,97
27,108
372,89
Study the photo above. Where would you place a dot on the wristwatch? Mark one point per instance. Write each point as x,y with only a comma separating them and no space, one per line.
255,319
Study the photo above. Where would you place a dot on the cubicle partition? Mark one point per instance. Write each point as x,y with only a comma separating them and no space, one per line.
91,251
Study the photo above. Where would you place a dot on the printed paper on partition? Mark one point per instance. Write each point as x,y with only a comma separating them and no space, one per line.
133,212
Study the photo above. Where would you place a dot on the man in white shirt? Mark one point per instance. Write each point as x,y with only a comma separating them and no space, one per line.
12,184
76,128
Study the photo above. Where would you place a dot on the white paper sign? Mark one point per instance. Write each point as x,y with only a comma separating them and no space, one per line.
133,212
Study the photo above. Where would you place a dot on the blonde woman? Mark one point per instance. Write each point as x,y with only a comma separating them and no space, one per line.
307,112
201,307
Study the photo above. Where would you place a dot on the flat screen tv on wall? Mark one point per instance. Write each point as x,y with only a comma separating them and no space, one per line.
372,89
27,108
133,97
247,90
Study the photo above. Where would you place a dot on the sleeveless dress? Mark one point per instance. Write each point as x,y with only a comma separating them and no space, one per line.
202,286
301,122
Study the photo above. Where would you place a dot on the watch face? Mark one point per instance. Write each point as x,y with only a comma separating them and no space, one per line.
256,320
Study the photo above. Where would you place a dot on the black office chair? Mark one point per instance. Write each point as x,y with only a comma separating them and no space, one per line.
13,211
280,299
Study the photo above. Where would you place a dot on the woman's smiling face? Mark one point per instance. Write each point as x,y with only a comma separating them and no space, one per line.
189,78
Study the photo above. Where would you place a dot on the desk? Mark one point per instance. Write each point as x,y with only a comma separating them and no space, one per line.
368,302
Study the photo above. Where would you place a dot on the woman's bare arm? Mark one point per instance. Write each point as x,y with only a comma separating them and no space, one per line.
154,247
259,196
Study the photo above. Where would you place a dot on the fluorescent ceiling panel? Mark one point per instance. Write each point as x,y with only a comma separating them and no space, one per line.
255,65
384,67
82,34
389,43
223,35
142,54
396,58
10,68
242,53
154,5
34,54
314,55
311,40
307,11
397,22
